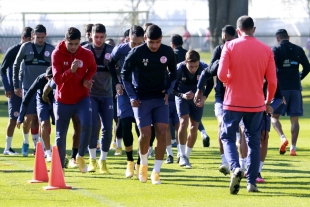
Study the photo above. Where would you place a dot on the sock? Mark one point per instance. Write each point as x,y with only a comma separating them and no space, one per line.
188,151
144,160
157,166
92,153
8,143
182,149
103,155
223,158
129,156
282,137
98,143
173,141
74,153
293,147
35,138
26,140
179,149
169,150
150,148
261,166
242,163
119,143
49,152
138,160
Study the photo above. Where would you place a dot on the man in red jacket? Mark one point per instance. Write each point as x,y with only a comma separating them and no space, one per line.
73,69
244,64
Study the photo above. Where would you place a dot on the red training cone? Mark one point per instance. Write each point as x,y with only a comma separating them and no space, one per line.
57,180
40,170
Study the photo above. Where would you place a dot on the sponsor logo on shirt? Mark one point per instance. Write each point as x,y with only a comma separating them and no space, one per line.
286,63
163,59
183,78
100,66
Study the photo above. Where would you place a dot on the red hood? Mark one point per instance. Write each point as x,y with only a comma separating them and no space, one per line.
61,47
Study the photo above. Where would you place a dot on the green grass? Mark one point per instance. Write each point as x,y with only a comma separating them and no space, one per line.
287,178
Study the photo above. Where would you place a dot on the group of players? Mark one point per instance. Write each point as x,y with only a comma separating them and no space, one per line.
160,88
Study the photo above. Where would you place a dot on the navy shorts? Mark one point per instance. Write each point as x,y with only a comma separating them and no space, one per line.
173,115
31,109
218,109
266,123
14,106
45,112
185,107
151,111
293,105
124,108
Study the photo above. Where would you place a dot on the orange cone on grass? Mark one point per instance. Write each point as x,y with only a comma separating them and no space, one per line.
40,171
57,180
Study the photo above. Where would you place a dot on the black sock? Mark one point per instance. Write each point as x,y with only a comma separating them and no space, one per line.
129,156
74,152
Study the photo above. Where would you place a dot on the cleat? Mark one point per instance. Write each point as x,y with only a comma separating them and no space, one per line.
178,158
224,168
205,140
118,151
130,169
259,179
34,152
236,177
103,167
175,144
92,165
155,178
283,146
293,152
48,158
25,149
150,153
143,173
81,164
252,188
10,152
184,162
113,146
66,162
137,167
169,160
72,163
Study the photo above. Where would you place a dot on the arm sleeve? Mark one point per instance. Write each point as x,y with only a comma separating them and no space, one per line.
214,64
112,69
224,64
209,87
271,78
175,90
126,75
172,73
59,75
92,68
305,65
16,66
8,59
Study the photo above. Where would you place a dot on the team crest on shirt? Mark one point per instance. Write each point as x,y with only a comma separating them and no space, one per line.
16,113
198,76
80,64
107,56
163,59
47,53
145,61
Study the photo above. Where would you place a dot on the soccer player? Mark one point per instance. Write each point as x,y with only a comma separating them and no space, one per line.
126,115
44,110
244,98
88,36
288,56
14,101
145,81
37,58
73,69
188,73
101,98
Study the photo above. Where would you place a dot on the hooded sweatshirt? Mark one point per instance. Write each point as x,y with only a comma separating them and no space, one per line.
70,89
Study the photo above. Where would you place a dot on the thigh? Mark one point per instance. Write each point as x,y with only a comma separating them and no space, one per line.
13,106
143,113
253,124
218,109
63,114
266,123
282,109
31,109
294,106
230,124
195,112
124,108
160,113
43,111
182,105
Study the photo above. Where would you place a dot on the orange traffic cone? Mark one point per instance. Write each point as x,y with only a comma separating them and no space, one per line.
39,171
57,180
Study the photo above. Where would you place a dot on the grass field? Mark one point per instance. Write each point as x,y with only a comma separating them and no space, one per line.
287,178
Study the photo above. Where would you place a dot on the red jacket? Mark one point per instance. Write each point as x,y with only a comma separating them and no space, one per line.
70,89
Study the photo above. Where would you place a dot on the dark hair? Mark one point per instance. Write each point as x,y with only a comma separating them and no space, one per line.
153,32
137,31
126,33
146,25
245,23
40,28
27,32
177,40
73,34
192,56
88,28
111,42
282,34
230,30
49,72
99,28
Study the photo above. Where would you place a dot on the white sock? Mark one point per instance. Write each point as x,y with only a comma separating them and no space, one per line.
188,151
103,155
144,160
119,143
223,158
242,163
261,166
49,152
92,153
26,140
282,137
35,139
182,149
293,147
179,149
169,150
157,166
8,143
42,142
173,141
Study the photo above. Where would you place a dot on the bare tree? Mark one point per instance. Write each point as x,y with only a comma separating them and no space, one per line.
134,6
224,12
